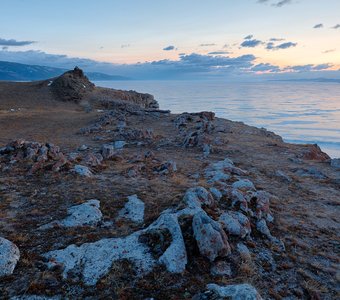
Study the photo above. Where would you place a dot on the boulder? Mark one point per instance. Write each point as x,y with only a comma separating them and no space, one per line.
133,210
119,144
216,193
198,196
83,148
244,185
235,291
262,227
9,256
266,260
108,151
91,261
262,201
165,168
244,252
82,170
235,223
175,256
93,159
36,155
87,213
238,199
211,239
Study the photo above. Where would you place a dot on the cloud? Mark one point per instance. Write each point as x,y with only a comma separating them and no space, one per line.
276,3
218,52
272,46
337,26
207,45
125,46
321,67
286,45
265,67
276,39
249,37
207,61
309,68
251,43
317,26
282,3
187,66
12,42
169,48
329,51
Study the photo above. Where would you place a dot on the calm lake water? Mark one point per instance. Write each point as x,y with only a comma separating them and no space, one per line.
298,111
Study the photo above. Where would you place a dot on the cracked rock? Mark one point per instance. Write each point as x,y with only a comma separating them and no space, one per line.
211,239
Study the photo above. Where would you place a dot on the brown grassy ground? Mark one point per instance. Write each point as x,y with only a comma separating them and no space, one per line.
306,210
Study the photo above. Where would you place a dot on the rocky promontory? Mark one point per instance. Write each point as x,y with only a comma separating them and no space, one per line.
105,196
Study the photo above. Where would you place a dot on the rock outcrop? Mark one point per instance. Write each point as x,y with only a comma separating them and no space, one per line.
133,210
85,214
34,156
211,239
72,86
9,256
235,292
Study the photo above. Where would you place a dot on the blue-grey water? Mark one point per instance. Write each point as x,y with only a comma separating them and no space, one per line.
301,112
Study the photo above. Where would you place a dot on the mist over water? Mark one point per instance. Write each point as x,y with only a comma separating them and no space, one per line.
301,112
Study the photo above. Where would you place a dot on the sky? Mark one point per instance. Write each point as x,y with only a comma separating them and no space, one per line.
157,39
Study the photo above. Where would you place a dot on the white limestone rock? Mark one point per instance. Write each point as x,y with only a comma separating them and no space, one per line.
175,256
87,213
82,170
133,210
9,256
216,193
235,223
244,185
235,292
211,239
262,227
91,261
244,252
198,196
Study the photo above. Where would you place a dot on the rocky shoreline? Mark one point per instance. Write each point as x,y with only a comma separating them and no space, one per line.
138,203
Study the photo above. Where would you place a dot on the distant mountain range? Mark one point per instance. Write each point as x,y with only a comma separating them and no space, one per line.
10,71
